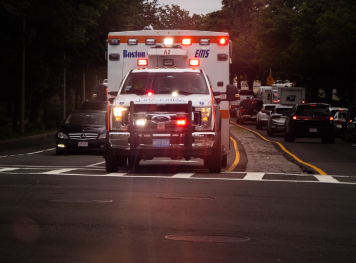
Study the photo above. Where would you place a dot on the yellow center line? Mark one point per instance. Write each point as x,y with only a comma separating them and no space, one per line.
237,158
321,172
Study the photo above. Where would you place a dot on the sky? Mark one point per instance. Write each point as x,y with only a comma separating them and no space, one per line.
201,7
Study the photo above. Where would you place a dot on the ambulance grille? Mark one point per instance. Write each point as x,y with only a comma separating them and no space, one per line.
161,108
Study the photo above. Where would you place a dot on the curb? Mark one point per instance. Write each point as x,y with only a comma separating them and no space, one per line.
30,138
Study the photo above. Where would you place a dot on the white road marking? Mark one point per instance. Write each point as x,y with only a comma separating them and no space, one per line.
58,171
254,176
326,179
115,174
183,175
36,152
50,149
94,164
8,169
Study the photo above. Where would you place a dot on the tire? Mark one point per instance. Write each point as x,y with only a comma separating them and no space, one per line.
353,139
331,139
286,137
214,160
324,140
224,161
111,163
291,138
271,133
237,120
242,121
259,126
267,131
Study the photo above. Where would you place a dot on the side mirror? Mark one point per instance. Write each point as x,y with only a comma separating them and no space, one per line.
113,93
231,91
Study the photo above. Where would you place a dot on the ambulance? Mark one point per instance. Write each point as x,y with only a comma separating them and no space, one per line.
172,94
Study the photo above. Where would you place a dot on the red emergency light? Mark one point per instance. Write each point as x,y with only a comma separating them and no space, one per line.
194,62
186,41
150,93
222,41
182,122
142,62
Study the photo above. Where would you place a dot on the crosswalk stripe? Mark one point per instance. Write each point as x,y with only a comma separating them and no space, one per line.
254,176
58,171
183,175
326,179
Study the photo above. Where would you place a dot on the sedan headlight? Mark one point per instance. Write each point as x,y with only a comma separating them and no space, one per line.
102,136
62,135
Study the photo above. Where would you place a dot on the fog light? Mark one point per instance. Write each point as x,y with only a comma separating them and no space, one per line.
61,146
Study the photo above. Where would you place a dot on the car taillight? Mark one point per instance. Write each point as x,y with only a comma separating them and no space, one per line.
331,118
339,122
182,122
150,93
142,62
194,62
294,117
186,41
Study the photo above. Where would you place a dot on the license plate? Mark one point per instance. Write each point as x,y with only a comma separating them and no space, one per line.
160,143
313,130
82,144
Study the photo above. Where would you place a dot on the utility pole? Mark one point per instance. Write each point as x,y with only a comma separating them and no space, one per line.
64,88
22,120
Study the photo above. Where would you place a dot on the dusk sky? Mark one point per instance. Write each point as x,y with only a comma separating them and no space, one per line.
195,6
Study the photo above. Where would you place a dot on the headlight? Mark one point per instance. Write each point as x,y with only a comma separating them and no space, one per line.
102,136
118,112
205,118
204,111
62,135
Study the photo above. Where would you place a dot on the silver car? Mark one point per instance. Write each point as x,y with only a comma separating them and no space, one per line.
262,117
277,119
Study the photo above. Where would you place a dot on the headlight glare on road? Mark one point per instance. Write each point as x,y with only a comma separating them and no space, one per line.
62,135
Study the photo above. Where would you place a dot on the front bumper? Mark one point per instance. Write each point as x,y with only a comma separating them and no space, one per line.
73,145
202,143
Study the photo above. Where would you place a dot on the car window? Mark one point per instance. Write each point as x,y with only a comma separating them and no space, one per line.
342,115
284,111
247,92
269,108
308,110
81,118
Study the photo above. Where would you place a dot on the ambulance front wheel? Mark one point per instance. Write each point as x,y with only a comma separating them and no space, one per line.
214,160
224,161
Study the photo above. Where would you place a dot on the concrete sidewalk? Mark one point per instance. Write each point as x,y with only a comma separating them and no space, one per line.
263,156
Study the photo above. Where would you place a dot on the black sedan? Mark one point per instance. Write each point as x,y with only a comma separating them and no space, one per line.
82,130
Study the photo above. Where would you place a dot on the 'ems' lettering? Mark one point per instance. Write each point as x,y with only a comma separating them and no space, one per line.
134,54
201,53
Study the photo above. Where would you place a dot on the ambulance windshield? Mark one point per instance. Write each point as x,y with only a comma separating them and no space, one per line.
183,83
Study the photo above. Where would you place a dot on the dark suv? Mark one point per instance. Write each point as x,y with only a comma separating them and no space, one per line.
311,120
247,110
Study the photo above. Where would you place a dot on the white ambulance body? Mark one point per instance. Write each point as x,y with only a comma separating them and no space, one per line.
151,72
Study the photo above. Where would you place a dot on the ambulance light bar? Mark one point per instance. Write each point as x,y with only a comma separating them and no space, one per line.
142,62
222,41
194,62
150,93
168,62
204,41
168,42
132,41
186,41
150,41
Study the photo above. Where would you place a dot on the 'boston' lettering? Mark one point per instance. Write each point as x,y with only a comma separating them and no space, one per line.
134,54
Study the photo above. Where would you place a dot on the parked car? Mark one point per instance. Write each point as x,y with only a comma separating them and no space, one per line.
262,117
339,118
277,119
93,105
247,110
312,120
350,129
82,130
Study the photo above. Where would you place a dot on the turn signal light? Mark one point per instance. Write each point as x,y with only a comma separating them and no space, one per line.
142,62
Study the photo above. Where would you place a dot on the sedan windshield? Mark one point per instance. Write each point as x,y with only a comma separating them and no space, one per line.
284,111
184,83
81,118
